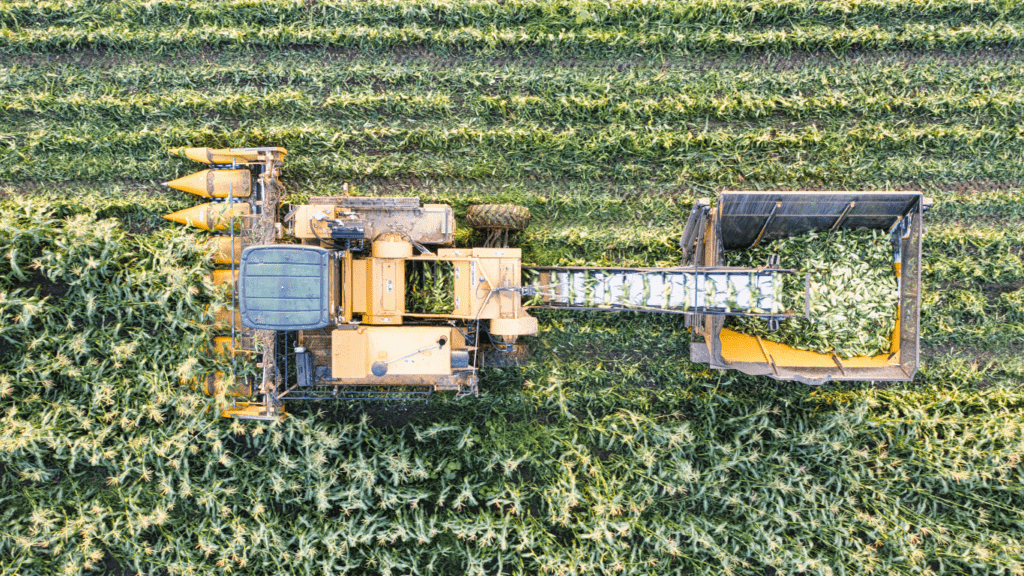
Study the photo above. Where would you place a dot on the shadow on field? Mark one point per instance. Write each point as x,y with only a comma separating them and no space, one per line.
47,288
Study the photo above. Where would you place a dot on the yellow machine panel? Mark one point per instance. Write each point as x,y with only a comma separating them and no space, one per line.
404,351
359,282
226,250
386,275
477,272
463,302
348,354
226,155
220,277
306,217
385,291
212,217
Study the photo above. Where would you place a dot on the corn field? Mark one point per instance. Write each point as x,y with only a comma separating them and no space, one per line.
610,452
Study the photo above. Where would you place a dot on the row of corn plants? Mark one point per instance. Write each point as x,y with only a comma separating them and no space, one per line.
836,104
551,15
604,440
879,73
609,452
714,156
595,41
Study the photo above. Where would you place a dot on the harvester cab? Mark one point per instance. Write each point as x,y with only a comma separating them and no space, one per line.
366,298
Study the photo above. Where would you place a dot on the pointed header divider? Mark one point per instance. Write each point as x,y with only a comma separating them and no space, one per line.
211,217
215,183
223,155
226,250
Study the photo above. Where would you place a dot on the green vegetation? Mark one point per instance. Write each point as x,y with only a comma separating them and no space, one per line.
610,453
430,287
854,295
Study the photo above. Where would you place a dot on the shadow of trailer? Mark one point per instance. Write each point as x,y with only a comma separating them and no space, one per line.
742,220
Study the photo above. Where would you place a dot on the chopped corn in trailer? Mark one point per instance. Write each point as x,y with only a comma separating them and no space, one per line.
367,298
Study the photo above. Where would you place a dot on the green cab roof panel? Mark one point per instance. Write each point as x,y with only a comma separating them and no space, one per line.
284,287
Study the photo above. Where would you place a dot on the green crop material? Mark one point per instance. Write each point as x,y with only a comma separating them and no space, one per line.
430,288
854,292
608,452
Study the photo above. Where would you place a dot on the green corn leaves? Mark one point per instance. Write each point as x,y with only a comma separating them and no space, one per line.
430,287
854,292
609,453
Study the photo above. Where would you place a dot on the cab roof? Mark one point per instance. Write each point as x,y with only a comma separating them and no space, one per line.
284,287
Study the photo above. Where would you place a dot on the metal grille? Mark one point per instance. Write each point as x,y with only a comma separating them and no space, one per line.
394,392
749,218
910,295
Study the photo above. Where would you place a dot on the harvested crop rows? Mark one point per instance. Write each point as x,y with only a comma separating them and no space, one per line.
609,453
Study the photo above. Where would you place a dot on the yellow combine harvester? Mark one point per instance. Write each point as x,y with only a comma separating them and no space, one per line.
361,298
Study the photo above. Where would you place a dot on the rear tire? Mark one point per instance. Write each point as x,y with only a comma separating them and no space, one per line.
519,355
500,216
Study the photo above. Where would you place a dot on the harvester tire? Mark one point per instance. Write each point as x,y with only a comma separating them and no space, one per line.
517,356
502,216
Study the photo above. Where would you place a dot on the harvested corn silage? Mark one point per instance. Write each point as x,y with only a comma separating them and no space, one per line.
430,288
854,293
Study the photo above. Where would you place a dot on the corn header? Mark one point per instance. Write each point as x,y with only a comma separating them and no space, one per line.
360,298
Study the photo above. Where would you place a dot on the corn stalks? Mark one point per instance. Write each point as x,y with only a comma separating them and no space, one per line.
854,293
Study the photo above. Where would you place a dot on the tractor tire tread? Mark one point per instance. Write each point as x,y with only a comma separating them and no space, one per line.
502,216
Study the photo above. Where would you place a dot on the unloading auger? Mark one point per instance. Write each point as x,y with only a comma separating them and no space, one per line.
364,298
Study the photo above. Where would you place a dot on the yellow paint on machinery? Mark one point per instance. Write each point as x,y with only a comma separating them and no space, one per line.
224,155
222,346
375,286
480,271
404,351
511,327
378,290
215,183
431,223
894,340
737,347
222,317
212,384
225,249
221,277
392,246
252,411
212,216
308,217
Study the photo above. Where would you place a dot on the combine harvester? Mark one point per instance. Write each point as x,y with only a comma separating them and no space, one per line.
328,296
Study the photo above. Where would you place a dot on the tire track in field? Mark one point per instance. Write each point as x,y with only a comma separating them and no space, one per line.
764,60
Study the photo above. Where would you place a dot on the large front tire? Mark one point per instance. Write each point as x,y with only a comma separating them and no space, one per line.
498,216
